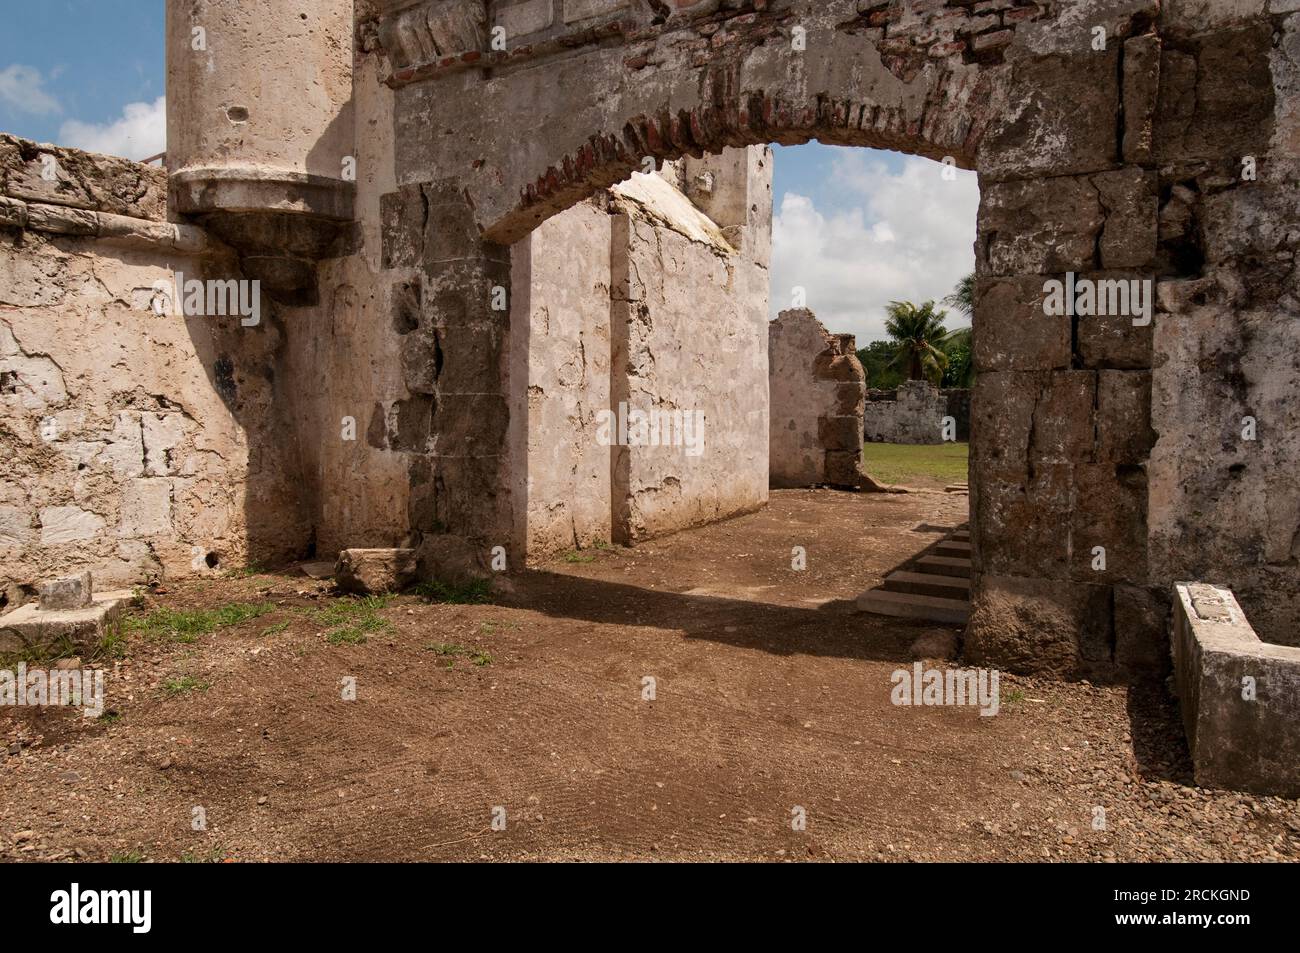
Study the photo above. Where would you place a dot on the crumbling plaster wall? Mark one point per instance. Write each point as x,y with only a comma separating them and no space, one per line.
560,352
360,425
690,335
137,445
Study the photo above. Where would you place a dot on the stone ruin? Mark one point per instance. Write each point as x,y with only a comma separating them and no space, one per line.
816,388
453,290
914,412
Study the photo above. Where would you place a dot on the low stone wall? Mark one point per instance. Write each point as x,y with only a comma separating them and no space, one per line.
816,386
914,413
1240,697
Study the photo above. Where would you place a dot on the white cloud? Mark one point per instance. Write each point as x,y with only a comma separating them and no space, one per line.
893,236
139,133
22,89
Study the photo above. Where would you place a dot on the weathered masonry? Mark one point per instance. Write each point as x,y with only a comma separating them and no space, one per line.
377,165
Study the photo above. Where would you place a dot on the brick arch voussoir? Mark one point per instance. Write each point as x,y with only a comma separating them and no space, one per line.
751,118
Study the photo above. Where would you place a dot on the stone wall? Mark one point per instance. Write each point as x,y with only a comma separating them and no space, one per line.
914,413
138,443
817,388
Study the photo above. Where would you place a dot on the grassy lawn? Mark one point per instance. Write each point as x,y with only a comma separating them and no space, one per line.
929,465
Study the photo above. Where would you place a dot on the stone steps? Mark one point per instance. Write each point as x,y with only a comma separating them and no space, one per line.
909,605
944,566
935,588
928,584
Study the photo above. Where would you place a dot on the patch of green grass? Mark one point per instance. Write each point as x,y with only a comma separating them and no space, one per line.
213,855
920,465
452,650
471,593
350,619
112,645
277,627
1012,696
575,556
252,569
110,717
186,625
446,648
183,685
127,857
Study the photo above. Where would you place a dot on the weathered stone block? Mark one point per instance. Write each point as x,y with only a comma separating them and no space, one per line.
1021,521
1012,332
523,17
1130,201
1063,121
1002,418
1120,338
1039,226
1124,433
366,571
452,559
1109,511
840,433
1216,96
68,524
31,629
1141,92
842,467
1064,420
74,592
1031,625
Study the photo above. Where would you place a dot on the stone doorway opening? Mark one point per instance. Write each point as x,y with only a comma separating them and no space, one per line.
667,367
873,258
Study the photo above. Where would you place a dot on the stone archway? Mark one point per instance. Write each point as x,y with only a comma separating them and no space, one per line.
1059,127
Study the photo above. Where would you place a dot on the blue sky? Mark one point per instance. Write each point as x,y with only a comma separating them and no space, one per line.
856,228
78,61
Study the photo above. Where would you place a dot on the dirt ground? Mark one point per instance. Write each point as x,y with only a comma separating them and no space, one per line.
771,694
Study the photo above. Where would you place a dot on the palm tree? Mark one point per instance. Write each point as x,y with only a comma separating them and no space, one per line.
963,296
918,335
957,345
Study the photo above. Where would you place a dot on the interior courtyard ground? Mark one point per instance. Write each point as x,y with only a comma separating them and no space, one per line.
771,694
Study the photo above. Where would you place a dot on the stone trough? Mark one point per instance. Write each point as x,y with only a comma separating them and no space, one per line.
1240,696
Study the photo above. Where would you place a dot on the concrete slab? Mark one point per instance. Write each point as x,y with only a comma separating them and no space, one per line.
32,629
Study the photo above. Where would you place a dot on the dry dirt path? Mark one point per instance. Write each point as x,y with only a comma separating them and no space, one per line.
770,695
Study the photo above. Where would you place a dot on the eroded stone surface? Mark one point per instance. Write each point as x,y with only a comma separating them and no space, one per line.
1240,697
374,571
818,388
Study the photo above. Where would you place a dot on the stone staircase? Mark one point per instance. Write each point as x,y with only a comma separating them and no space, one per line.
934,587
